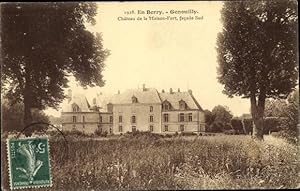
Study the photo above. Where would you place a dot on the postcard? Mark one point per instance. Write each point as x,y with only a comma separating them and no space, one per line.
149,95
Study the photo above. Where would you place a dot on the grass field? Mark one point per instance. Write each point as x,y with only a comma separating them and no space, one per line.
150,162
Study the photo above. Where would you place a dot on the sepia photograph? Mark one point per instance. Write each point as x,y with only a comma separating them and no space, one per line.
146,95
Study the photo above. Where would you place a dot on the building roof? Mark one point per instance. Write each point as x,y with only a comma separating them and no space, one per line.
149,95
102,100
78,99
175,97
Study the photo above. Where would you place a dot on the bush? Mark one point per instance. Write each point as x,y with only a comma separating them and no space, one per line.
74,132
168,136
216,127
188,134
230,132
237,125
248,125
271,124
100,133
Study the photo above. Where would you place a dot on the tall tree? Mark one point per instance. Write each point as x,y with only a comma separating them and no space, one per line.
44,43
257,52
222,114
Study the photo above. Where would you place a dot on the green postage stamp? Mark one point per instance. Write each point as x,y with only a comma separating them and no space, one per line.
29,162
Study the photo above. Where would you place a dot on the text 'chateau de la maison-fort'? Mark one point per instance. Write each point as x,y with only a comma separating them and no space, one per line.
143,109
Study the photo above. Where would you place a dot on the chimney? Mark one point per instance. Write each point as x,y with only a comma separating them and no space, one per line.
190,91
162,91
178,89
171,90
118,91
69,95
144,87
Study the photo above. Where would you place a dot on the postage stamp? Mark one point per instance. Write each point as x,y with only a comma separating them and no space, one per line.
29,162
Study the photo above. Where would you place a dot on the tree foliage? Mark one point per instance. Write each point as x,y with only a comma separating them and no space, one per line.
257,48
275,108
222,114
12,117
44,43
209,117
257,52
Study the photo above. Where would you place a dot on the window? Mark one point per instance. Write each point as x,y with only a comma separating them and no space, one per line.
181,117
100,119
133,128
83,119
110,119
134,99
110,130
120,119
182,105
133,119
166,128
166,117
151,128
190,117
120,128
151,108
74,119
151,118
75,107
166,106
181,128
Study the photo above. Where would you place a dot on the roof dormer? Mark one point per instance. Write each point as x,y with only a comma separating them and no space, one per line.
166,105
134,99
182,105
75,107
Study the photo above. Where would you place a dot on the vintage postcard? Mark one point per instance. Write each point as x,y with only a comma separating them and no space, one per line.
150,95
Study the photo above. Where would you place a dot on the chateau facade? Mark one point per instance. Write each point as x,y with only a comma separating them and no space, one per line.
143,109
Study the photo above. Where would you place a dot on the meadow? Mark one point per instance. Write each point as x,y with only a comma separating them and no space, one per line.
154,163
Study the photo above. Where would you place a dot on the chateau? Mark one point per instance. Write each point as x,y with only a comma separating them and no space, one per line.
143,109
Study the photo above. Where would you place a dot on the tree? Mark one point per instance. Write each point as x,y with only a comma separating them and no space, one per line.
12,117
222,114
291,113
209,117
44,43
257,52
275,108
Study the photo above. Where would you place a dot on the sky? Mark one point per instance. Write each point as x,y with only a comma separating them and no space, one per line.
161,54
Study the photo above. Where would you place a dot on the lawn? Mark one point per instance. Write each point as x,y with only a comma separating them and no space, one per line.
151,162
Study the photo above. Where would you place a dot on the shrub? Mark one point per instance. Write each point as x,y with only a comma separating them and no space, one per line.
248,125
100,133
216,127
237,125
188,133
230,132
74,132
271,124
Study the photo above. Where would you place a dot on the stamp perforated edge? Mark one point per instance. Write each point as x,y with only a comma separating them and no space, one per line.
9,164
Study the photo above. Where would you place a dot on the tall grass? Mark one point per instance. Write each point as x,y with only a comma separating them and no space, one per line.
217,162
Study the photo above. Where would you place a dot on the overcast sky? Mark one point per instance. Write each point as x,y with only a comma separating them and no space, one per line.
162,54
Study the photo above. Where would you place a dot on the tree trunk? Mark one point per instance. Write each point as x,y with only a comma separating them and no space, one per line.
244,128
257,111
27,112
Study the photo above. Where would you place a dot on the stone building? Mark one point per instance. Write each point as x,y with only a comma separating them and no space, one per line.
143,109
